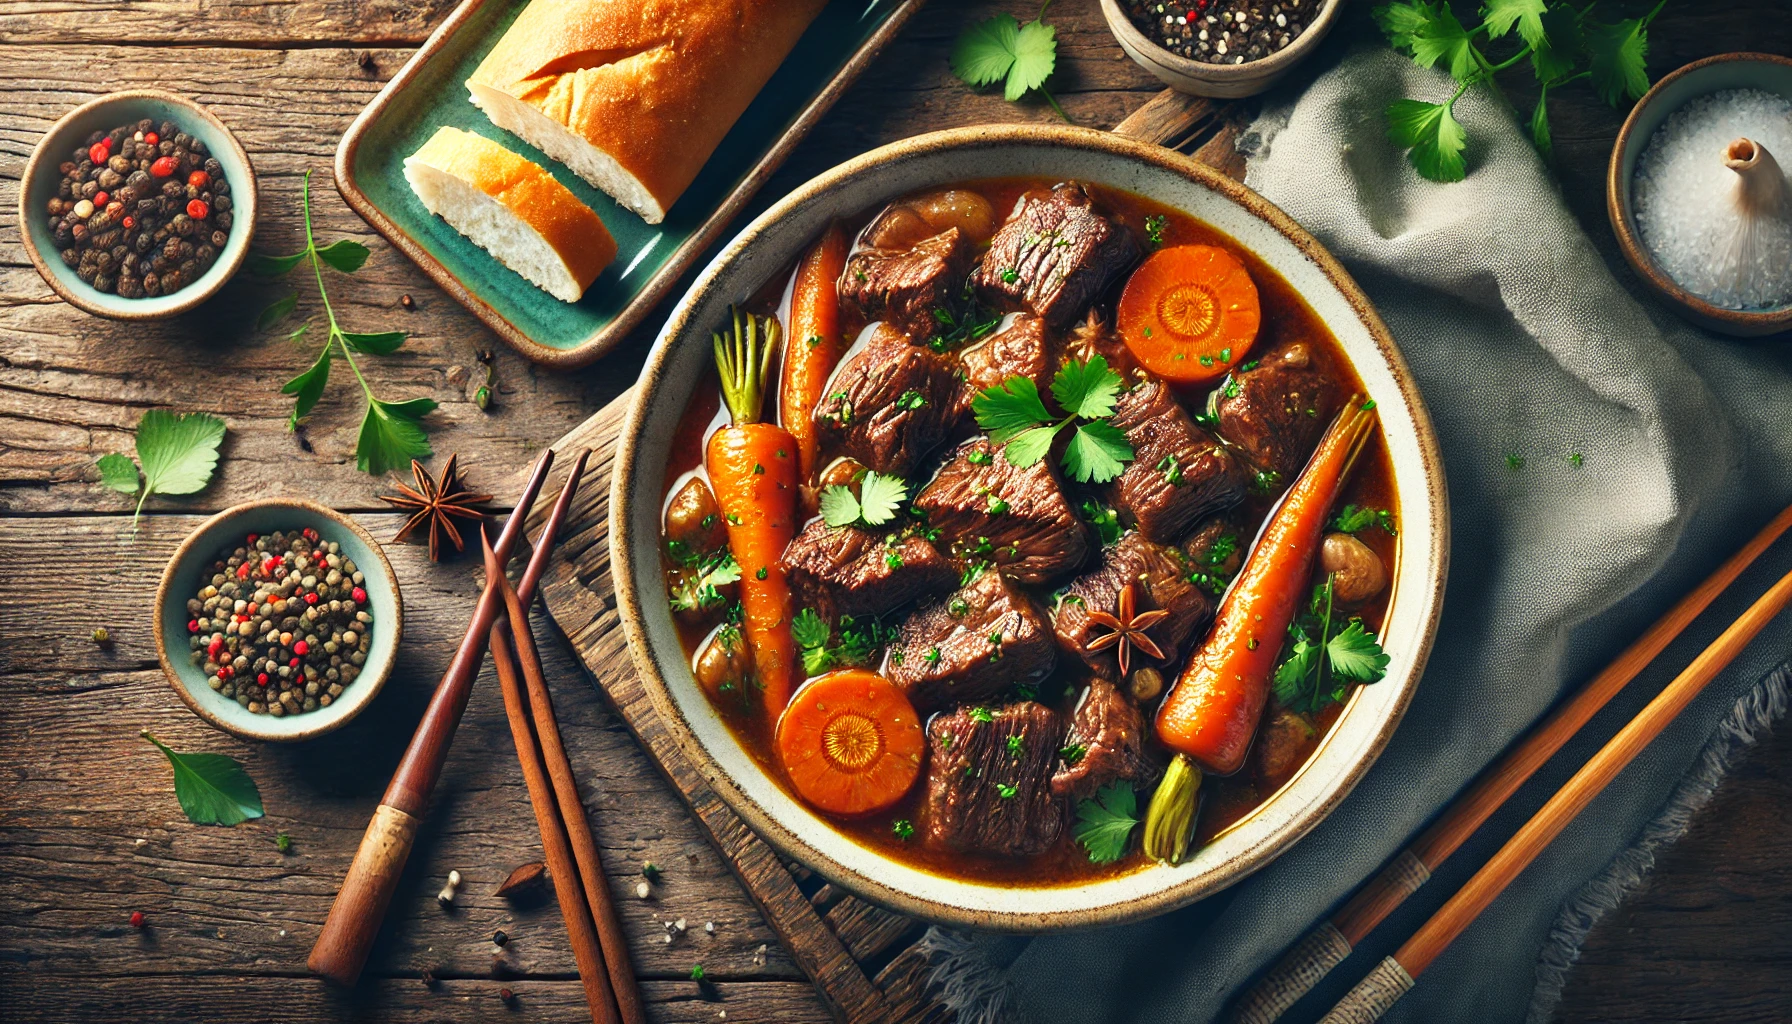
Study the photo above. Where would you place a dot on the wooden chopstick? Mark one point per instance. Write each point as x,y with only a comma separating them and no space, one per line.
1330,942
613,943
1395,975
587,954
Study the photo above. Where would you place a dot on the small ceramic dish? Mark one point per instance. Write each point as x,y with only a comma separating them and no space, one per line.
228,529
768,247
105,114
1225,81
1765,71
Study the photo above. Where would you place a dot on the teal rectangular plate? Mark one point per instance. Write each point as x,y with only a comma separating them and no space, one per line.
430,91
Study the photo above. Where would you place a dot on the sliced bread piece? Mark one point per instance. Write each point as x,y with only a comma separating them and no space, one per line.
634,95
512,209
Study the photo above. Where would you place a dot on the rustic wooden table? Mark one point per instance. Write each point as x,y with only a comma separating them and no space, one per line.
89,829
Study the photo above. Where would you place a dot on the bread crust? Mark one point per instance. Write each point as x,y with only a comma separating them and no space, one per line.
654,84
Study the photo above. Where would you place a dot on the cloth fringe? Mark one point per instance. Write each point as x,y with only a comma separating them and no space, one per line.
964,979
1752,717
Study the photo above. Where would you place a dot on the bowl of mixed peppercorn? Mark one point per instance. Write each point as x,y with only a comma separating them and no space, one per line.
278,619
138,205
1221,48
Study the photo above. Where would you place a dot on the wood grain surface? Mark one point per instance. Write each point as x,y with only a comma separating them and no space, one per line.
89,829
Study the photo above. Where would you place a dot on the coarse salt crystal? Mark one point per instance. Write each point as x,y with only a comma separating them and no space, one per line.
710,927
642,890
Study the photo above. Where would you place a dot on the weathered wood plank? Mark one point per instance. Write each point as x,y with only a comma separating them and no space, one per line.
267,24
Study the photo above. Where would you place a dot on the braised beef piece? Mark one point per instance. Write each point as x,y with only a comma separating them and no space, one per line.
1022,350
989,773
1275,411
1054,256
1106,742
1179,473
1159,578
902,287
1215,553
843,570
890,405
985,638
989,510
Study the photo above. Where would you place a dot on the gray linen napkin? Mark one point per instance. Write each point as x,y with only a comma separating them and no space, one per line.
1524,344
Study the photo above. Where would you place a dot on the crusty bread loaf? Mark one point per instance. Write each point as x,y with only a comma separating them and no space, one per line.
634,95
512,209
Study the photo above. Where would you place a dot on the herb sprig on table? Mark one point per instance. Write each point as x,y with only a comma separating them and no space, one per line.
1015,416
392,433
212,788
1562,42
1001,49
178,453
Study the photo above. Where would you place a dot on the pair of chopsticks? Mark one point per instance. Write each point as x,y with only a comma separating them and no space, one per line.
599,947
1327,945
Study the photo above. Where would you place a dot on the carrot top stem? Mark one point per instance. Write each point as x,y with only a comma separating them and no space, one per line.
744,360
1170,818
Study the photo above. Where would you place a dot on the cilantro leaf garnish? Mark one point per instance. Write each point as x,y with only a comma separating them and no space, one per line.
178,453
702,591
859,639
1001,49
1104,822
1015,415
1354,654
1356,518
1319,664
878,500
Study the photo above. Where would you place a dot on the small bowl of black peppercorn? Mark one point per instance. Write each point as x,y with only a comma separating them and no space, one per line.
138,205
1220,48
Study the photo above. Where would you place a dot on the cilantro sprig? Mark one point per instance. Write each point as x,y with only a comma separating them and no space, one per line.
859,638
878,500
178,452
1321,664
392,433
1560,39
701,590
1001,49
1104,822
1015,416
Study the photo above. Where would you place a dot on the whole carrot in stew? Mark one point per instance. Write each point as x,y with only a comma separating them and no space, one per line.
814,344
753,468
1211,713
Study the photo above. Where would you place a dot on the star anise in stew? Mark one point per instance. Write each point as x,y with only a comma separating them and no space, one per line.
1128,631
435,506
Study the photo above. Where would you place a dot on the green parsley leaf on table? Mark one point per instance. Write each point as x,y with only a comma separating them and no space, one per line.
1014,415
1001,49
392,433
1527,15
1432,134
1617,59
880,497
212,788
1104,822
178,453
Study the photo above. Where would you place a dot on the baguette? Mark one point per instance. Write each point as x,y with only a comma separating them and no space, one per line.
512,209
635,95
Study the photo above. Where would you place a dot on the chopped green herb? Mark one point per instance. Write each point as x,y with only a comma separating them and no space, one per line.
957,608
1154,228
1171,468
912,400
1010,276
933,656
1015,745
1006,791
981,715
978,457
761,573
1072,753
1514,460
1355,518
1574,458
1320,665
903,829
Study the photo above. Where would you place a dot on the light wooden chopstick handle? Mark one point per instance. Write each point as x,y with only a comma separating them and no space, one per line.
360,905
1375,995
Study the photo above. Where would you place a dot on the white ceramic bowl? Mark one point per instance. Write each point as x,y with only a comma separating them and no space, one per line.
770,245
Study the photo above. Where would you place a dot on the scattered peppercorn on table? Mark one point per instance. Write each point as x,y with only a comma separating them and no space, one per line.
114,907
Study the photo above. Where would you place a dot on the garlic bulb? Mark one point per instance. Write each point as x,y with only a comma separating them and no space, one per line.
1760,196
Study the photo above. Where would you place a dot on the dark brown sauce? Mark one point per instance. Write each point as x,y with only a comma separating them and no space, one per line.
1287,319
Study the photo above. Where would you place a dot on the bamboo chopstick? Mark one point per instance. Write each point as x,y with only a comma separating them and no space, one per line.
613,943
556,850
1329,943
1394,976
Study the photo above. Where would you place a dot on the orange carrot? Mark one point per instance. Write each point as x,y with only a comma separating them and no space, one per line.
1190,313
850,742
1210,715
814,344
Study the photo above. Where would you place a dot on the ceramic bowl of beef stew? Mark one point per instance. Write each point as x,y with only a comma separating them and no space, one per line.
1028,528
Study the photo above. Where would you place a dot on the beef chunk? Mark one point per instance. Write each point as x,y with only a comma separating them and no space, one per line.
843,570
901,287
983,639
1106,742
1179,473
1159,578
1054,256
989,777
1275,411
890,405
988,510
1022,350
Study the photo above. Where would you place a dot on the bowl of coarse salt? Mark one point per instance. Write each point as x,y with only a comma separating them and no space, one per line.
1698,193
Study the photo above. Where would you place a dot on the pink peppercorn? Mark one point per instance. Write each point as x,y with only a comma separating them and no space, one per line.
301,648
359,595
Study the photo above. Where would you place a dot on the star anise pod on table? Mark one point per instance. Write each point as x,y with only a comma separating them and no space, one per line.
1128,631
435,506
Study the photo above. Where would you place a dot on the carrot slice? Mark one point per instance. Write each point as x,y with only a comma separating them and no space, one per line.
850,742
1190,313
